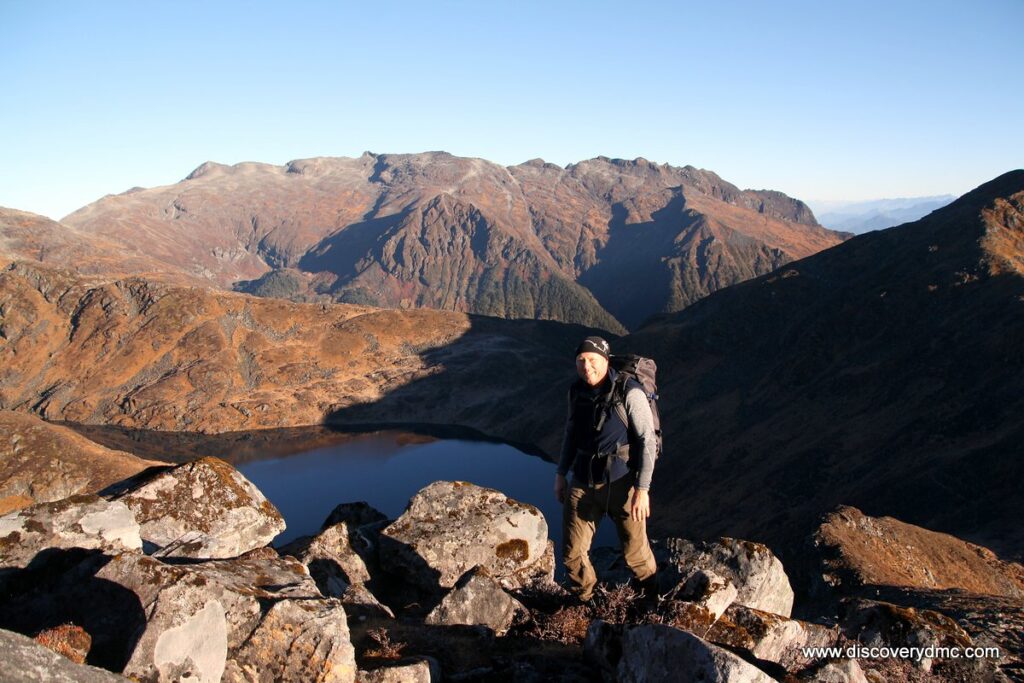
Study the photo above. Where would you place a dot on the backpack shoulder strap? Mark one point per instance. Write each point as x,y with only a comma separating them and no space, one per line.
621,387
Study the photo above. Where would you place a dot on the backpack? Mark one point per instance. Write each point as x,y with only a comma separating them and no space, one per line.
642,371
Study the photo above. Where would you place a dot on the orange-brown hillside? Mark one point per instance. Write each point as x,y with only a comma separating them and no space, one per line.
603,242
149,355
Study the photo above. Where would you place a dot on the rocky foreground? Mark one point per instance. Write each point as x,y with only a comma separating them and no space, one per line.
169,576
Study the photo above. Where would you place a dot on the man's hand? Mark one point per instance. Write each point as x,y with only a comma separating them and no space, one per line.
641,507
560,487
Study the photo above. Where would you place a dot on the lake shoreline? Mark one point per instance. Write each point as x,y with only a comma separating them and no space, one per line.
246,446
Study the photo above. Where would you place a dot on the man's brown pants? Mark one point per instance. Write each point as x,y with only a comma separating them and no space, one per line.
581,512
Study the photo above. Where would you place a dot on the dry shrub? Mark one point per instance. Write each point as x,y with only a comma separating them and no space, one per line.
385,648
567,625
67,639
615,604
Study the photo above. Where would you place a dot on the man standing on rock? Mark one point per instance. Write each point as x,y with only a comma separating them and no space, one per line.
608,475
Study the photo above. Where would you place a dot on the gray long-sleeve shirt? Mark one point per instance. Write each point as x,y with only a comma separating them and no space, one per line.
641,426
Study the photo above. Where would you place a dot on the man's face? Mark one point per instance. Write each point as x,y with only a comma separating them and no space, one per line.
591,367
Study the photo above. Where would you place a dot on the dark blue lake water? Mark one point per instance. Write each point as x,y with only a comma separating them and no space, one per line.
386,470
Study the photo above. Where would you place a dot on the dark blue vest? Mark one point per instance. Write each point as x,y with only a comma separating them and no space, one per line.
588,409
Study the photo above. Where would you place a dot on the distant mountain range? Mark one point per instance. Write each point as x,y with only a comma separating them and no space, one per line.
604,242
876,214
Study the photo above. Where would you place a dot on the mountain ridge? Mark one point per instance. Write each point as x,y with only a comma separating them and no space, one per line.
236,225
882,373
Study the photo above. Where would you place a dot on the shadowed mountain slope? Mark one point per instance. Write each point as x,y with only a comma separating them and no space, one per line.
884,373
649,238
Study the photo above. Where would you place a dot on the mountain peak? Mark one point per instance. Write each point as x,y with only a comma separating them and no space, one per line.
1000,187
207,168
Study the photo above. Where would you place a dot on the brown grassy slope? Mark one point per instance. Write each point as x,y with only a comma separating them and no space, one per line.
146,355
883,373
881,551
41,462
29,236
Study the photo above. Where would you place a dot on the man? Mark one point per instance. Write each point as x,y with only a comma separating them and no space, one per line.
608,475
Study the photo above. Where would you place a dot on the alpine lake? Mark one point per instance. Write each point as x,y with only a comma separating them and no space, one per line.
305,472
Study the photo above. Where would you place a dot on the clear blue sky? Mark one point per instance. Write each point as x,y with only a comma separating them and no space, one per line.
821,100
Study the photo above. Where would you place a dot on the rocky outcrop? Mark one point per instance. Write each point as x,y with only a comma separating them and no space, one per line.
225,617
770,637
477,600
43,463
22,660
654,652
856,551
83,522
203,509
877,624
331,560
451,527
900,582
339,558
263,616
758,575
297,641
872,623
836,671
710,591
419,670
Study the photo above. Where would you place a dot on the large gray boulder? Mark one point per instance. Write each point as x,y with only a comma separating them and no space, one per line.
203,509
451,527
297,641
339,558
880,624
22,660
414,670
710,591
770,637
833,671
331,560
758,575
477,600
654,652
84,521
186,638
205,620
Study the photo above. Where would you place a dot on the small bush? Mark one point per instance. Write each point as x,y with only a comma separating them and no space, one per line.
67,639
385,649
